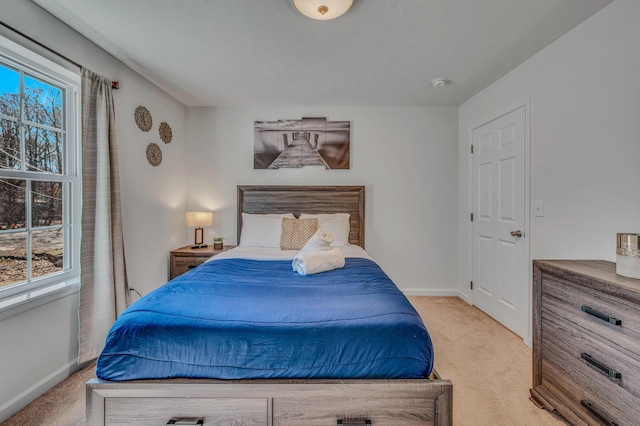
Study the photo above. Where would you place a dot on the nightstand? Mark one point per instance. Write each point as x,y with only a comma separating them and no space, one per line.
185,258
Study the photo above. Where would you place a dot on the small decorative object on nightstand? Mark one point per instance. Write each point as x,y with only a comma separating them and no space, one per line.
185,258
217,243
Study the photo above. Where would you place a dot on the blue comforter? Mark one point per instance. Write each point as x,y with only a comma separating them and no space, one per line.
239,318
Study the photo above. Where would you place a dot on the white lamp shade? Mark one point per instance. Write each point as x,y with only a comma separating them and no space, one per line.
323,9
199,219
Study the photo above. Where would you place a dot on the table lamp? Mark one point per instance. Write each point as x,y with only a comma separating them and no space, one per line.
199,219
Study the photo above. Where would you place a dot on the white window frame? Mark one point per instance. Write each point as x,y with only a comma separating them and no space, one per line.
27,295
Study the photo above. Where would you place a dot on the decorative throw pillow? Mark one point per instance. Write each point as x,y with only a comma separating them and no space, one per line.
296,232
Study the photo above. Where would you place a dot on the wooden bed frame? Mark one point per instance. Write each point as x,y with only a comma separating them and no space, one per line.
305,199
312,402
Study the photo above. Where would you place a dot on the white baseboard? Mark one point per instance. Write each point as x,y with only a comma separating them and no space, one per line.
430,292
21,400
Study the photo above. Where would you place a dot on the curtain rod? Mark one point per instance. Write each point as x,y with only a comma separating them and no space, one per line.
114,84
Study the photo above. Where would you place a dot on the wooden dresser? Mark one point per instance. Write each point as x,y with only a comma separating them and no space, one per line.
586,342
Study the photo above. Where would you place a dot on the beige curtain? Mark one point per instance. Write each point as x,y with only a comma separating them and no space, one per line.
104,291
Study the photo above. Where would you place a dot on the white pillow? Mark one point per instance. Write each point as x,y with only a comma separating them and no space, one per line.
337,224
262,230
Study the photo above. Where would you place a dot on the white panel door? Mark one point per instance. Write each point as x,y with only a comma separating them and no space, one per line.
500,273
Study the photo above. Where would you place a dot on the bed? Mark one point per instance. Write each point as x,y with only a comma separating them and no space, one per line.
358,386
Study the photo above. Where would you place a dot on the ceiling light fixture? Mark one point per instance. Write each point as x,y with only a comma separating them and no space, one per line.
323,9
439,82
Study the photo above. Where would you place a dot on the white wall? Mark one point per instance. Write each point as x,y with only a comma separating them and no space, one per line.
585,138
405,156
39,347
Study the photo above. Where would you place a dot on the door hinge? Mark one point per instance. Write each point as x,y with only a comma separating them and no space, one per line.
471,216
472,149
471,285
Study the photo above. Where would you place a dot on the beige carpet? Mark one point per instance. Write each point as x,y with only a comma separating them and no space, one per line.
490,368
63,405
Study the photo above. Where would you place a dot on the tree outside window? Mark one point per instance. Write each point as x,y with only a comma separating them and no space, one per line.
35,183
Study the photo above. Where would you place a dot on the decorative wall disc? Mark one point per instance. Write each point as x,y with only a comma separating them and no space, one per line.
165,132
143,118
154,154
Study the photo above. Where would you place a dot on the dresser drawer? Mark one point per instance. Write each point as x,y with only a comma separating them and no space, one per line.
608,371
586,342
158,411
594,311
576,393
292,411
184,259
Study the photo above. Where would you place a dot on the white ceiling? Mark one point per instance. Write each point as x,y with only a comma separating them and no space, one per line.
264,52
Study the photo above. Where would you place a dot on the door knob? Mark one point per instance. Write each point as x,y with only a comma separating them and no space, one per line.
516,233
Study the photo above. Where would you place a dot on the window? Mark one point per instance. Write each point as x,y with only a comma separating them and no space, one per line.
39,175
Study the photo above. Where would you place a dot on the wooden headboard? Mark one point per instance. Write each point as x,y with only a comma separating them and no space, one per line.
298,199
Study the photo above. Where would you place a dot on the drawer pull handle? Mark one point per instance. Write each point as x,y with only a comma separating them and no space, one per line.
194,421
595,413
611,373
603,317
191,266
363,422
